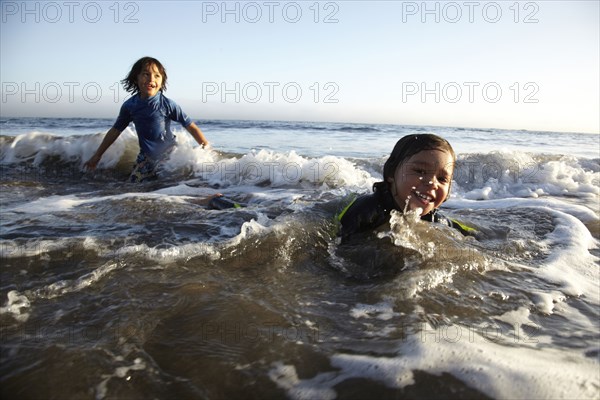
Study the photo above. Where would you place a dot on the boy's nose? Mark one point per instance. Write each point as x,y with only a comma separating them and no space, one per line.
431,180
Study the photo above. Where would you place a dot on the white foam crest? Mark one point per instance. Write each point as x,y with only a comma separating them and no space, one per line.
570,264
567,176
63,287
516,372
127,142
186,192
170,254
189,155
272,168
582,213
499,175
32,248
497,370
17,305
580,324
250,229
520,316
252,234
286,377
414,283
49,204
37,146
383,311
24,147
57,203
41,247
570,242
547,302
120,372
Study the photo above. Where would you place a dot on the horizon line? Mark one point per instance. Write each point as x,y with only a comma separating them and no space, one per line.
334,122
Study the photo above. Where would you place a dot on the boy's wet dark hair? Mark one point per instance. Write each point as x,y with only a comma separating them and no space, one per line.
130,82
410,145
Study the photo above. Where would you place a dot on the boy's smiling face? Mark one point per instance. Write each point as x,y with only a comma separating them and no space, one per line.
423,181
149,81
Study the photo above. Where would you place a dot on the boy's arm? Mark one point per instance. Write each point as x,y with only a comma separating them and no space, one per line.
109,139
197,134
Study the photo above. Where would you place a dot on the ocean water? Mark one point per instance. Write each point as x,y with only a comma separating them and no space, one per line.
113,290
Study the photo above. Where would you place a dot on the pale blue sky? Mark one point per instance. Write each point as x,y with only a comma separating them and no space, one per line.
504,64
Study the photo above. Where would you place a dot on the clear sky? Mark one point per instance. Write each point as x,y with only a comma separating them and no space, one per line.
517,65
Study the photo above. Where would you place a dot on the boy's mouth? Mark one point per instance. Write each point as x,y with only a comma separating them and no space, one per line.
424,198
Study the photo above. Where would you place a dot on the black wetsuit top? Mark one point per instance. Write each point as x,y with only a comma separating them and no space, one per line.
372,210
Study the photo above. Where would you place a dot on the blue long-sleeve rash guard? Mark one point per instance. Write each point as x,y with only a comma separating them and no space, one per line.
152,119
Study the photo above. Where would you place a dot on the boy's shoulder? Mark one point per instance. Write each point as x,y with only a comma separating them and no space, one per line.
361,213
439,217
131,100
136,102
166,102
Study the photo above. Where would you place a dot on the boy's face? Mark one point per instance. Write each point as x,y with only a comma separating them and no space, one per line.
149,81
423,181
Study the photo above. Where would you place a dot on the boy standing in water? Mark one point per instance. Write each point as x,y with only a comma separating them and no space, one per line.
417,175
152,113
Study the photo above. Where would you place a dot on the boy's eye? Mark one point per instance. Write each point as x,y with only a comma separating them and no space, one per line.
443,179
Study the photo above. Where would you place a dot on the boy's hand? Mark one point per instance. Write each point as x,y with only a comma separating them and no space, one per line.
91,164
